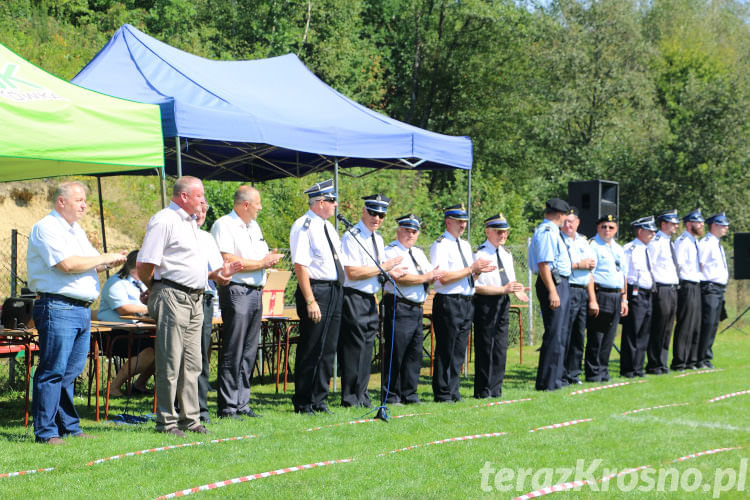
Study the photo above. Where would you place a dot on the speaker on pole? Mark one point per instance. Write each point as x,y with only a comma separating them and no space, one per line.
594,199
741,256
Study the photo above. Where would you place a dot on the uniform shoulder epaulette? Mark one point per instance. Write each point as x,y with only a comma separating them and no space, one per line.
547,228
480,247
355,231
682,236
628,247
306,224
391,244
591,240
440,238
657,237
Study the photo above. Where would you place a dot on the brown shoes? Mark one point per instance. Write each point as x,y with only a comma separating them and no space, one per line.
199,429
53,441
84,436
174,431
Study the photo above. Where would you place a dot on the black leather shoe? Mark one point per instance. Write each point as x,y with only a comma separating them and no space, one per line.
322,409
366,404
233,416
709,365
304,410
249,413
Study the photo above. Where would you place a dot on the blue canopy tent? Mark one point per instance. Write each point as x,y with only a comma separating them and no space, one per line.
261,119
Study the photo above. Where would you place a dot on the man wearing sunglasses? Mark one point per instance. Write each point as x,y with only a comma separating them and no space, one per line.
611,300
316,248
688,326
359,315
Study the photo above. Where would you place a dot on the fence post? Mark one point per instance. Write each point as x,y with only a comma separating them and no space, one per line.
13,261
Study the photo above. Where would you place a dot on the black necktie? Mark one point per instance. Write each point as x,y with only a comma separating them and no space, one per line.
463,259
648,266
501,269
339,269
674,256
723,258
419,269
698,255
381,278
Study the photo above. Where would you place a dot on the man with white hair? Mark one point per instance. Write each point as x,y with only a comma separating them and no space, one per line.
62,267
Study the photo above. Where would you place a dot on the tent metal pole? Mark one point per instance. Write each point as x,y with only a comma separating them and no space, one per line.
336,187
468,210
101,217
163,183
178,150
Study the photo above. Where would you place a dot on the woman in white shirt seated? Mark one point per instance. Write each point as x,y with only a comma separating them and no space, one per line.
121,296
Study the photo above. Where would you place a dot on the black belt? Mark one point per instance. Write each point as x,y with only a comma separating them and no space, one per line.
608,290
689,282
348,289
324,282
182,288
401,300
573,285
665,285
75,302
712,283
458,296
251,287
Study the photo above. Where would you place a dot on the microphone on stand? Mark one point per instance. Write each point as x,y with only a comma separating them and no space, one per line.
344,221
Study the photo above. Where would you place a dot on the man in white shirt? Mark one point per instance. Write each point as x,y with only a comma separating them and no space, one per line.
240,239
664,308
688,326
173,266
403,361
491,309
62,267
359,314
452,309
713,284
640,282
316,247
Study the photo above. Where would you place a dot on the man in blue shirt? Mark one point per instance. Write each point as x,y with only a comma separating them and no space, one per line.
549,259
611,300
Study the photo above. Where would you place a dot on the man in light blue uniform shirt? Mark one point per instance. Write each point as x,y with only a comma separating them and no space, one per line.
62,267
611,300
636,327
713,284
583,260
549,259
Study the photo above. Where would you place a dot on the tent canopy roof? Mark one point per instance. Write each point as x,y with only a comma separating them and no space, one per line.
49,127
259,119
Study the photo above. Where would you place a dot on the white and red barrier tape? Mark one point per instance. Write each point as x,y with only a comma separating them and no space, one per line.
510,401
25,472
629,412
698,372
601,387
575,484
730,395
244,479
702,453
172,447
364,421
449,440
563,424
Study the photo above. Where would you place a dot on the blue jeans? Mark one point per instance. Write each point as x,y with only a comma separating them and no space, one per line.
64,331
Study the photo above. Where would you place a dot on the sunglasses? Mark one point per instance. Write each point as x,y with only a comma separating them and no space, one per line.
373,213
329,200
609,226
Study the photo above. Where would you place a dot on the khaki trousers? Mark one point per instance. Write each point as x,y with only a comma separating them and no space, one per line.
179,319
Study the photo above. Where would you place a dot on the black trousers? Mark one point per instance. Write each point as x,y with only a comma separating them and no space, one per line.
636,329
712,298
452,315
359,329
549,374
600,336
208,314
688,327
313,365
578,312
664,309
490,344
241,313
405,359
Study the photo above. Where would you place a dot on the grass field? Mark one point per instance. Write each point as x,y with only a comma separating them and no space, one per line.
502,466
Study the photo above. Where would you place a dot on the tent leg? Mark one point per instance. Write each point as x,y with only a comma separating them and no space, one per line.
163,183
101,216
336,187
178,151
468,210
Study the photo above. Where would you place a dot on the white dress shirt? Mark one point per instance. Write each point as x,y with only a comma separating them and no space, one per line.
444,254
488,251
662,263
686,250
352,254
51,241
310,247
235,237
713,260
637,265
414,293
171,245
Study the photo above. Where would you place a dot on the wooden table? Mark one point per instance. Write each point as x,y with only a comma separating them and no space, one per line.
24,338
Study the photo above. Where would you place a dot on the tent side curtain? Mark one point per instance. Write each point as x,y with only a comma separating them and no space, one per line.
275,107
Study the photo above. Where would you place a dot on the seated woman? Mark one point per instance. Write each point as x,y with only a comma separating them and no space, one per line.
120,297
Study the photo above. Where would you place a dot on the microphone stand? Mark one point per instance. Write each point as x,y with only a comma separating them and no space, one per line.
383,412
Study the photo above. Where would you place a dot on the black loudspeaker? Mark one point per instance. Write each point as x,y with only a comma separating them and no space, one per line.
17,312
594,199
741,256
